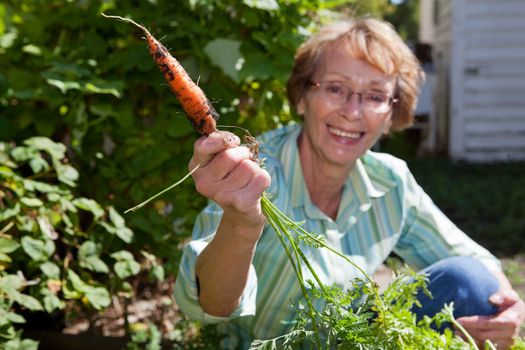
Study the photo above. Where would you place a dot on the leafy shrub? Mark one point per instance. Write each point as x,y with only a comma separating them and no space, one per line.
56,248
89,82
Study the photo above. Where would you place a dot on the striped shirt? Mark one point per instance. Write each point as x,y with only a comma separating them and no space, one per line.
382,210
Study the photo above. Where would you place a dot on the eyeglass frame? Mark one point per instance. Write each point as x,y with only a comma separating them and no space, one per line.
391,100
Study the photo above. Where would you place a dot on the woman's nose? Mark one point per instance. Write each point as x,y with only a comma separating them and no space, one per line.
351,108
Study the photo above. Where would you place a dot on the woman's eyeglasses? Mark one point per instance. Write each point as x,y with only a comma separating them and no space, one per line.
371,101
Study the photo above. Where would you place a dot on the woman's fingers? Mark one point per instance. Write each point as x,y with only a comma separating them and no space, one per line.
208,179
500,329
227,173
225,162
206,147
243,187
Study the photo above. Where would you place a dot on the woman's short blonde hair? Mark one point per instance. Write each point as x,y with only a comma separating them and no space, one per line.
373,41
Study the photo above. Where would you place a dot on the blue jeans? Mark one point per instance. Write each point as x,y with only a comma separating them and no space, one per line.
462,280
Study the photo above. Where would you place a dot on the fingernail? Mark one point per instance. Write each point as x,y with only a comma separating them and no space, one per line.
495,299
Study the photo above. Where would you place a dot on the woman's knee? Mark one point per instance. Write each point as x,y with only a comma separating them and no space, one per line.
467,282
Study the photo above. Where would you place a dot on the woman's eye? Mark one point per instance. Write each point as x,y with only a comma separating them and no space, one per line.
334,88
375,97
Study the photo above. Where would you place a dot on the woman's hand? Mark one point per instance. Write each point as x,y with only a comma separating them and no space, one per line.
229,176
501,328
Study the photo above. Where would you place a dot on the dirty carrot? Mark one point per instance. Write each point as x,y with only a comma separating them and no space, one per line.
194,102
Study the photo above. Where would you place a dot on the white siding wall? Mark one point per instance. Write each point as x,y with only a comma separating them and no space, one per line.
487,111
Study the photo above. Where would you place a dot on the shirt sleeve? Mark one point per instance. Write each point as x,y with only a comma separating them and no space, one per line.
186,290
428,235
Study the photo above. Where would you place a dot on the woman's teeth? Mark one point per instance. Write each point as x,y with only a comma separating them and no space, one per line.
350,135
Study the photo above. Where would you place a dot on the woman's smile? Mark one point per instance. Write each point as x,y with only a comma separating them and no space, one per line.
345,136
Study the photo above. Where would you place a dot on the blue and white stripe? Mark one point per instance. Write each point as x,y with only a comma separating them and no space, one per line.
383,210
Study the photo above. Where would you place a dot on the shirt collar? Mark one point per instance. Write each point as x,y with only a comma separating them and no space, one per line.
364,188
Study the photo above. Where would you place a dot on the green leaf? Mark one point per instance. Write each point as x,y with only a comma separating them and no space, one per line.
126,265
21,344
125,234
98,297
32,50
7,39
52,303
158,272
21,154
55,149
31,202
7,213
108,88
32,185
71,293
28,301
88,248
66,173
122,255
88,255
37,249
119,226
38,164
64,86
28,344
26,223
94,263
109,228
76,281
89,205
5,258
15,318
4,170
226,54
126,268
116,218
268,5
50,269
8,245
11,282
102,88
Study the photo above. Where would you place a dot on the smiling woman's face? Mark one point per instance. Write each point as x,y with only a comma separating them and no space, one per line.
339,133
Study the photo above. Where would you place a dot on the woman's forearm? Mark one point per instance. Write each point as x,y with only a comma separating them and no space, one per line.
222,268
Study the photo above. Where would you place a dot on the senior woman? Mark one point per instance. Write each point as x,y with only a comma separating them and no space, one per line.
352,82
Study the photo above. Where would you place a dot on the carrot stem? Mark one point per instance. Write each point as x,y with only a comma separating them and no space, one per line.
129,20
138,206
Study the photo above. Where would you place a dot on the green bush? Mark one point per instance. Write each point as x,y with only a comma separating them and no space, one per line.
88,83
69,74
56,247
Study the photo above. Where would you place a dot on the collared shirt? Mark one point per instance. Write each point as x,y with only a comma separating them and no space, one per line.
382,210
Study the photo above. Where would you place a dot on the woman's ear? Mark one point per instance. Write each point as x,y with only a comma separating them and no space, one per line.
386,129
300,107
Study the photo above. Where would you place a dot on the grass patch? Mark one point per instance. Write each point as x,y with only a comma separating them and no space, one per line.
487,201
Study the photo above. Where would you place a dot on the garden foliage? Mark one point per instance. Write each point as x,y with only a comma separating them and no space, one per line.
56,248
77,84
69,74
